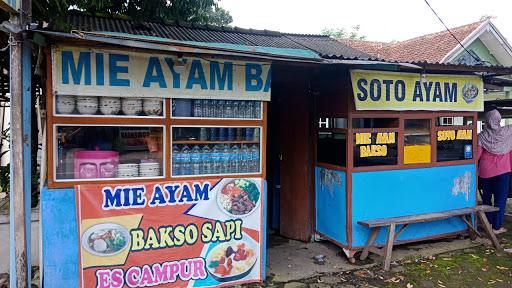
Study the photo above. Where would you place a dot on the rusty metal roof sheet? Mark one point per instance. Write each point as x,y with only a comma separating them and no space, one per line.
320,44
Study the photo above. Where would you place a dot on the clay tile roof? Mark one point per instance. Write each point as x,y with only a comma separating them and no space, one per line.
430,48
369,47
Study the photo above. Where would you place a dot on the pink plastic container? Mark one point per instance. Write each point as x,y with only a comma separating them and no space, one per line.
96,164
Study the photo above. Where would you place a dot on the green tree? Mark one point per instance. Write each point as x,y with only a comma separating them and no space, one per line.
343,33
191,11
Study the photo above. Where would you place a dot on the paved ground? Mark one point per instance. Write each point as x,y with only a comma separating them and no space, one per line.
452,263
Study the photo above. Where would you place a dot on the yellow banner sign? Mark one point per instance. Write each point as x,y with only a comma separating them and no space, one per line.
379,90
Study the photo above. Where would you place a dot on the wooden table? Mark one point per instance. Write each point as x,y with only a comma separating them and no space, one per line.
465,214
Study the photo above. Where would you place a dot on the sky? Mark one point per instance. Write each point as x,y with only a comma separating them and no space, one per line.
380,20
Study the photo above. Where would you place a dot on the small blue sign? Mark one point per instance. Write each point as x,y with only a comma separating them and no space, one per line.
468,151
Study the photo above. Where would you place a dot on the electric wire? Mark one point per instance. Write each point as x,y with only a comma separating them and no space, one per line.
453,35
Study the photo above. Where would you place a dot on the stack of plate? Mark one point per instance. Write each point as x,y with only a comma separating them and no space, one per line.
152,107
149,169
87,105
128,170
110,105
65,104
132,106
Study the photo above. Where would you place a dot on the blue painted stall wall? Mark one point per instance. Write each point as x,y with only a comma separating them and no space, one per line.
331,205
394,193
60,238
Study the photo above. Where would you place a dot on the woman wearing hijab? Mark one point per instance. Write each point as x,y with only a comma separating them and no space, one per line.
494,168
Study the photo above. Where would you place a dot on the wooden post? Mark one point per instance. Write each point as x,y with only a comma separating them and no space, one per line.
20,188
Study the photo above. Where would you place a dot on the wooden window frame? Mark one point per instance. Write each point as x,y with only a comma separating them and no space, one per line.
405,115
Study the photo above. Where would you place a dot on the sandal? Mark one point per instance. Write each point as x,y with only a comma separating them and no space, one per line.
500,231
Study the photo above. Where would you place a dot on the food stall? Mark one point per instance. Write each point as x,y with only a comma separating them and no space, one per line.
395,144
156,170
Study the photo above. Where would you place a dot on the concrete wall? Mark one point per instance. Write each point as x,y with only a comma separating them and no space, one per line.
4,243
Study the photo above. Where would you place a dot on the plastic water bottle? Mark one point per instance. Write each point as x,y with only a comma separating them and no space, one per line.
244,161
249,134
249,113
236,109
206,160
242,107
198,108
186,161
195,158
255,158
176,161
216,164
216,108
240,134
229,109
256,136
210,108
234,159
203,134
257,109
223,134
225,159
222,109
231,134
213,134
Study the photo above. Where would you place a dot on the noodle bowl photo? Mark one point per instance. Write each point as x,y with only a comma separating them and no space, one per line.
105,239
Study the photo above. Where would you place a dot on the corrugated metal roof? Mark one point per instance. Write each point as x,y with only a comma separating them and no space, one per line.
327,46
321,44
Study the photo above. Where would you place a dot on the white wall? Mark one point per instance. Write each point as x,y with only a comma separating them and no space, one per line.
4,244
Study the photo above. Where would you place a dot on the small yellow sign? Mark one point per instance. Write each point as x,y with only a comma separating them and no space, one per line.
379,148
450,135
417,154
380,90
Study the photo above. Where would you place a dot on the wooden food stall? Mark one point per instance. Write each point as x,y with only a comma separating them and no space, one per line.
393,144
154,159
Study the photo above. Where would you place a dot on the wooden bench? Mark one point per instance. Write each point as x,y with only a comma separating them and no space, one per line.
465,214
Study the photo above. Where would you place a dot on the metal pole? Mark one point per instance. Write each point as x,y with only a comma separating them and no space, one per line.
20,184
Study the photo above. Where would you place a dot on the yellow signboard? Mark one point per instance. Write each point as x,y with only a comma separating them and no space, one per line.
379,90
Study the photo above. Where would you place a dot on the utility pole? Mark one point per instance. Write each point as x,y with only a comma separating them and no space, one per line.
20,184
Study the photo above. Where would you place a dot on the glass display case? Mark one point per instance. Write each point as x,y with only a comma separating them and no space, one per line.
215,150
103,138
108,152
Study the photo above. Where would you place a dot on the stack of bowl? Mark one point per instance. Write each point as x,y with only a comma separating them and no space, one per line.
87,105
128,170
132,106
149,169
110,105
152,107
65,104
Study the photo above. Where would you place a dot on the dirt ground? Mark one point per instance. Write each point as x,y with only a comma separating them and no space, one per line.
478,266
